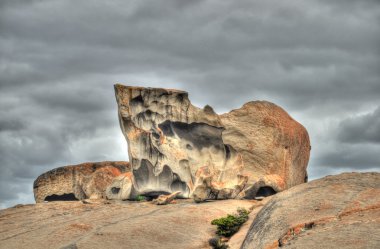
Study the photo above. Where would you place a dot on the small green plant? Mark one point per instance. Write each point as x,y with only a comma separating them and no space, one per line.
228,226
140,198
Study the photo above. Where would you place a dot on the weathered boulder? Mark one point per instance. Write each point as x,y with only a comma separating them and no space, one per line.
274,147
77,182
174,146
341,211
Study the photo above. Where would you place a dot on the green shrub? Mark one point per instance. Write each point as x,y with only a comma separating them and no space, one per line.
140,198
228,226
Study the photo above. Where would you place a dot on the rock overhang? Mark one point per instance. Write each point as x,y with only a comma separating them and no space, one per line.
165,131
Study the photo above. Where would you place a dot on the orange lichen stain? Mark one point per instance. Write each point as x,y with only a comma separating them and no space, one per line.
136,133
162,136
128,174
202,171
218,184
294,231
190,184
132,135
179,154
274,180
114,171
357,210
274,245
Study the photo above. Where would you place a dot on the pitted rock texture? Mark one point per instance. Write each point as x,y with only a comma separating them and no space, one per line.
77,182
175,146
341,211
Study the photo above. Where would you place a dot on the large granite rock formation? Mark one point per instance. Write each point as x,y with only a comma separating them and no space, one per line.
77,182
174,146
341,211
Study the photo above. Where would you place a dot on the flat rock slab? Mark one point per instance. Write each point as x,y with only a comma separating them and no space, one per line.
341,211
74,224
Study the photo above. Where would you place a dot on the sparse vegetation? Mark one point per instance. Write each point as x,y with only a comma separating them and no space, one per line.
228,226
140,198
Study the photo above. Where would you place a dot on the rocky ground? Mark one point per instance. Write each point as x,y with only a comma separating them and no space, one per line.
73,224
341,211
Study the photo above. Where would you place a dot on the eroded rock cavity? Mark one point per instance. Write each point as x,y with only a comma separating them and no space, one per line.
174,146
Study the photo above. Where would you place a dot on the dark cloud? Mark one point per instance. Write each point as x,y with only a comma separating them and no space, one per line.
59,60
361,129
11,125
358,157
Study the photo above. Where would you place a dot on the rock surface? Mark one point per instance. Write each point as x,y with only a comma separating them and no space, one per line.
133,225
341,211
77,182
174,146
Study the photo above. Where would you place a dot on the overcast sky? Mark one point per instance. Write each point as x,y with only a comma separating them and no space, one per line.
319,60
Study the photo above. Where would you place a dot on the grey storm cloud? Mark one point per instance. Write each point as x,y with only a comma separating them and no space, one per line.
59,60
361,129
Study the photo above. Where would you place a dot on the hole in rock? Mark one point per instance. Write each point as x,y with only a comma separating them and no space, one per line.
137,101
180,98
200,135
265,191
228,151
156,135
115,190
64,197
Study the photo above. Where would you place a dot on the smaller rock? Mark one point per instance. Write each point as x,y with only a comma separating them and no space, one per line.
166,199
78,182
